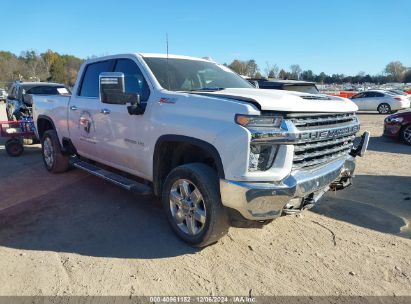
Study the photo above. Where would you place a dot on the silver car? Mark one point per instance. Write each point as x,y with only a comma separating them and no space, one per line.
384,102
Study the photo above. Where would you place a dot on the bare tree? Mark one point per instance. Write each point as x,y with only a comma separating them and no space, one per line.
295,71
35,67
271,70
396,70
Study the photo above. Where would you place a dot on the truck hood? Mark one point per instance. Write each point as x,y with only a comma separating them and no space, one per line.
287,101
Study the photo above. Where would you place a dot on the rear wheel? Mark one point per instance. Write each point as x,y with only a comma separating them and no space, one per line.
54,160
14,147
191,200
384,108
406,134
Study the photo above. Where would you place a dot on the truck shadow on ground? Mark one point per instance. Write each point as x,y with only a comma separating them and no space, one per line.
95,218
389,145
92,218
381,203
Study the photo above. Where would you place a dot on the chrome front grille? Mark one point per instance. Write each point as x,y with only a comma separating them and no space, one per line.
307,121
323,137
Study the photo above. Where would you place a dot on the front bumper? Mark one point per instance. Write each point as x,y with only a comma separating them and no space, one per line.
392,129
263,201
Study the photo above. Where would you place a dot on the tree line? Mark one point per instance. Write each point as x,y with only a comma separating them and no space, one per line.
52,66
33,66
394,72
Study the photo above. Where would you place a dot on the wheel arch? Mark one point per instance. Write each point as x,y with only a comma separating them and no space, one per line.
44,123
169,152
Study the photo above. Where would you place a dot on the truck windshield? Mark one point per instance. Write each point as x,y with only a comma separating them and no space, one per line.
192,75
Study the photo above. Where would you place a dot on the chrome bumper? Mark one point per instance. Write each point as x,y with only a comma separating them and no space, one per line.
262,201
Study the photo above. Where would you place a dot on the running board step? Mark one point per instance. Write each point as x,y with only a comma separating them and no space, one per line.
112,177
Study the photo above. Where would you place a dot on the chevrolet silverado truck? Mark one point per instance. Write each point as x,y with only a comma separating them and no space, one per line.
218,151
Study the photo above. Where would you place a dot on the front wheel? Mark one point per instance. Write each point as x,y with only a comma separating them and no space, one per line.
406,134
384,108
54,160
191,200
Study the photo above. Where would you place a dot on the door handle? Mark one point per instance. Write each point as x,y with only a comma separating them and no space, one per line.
73,108
105,111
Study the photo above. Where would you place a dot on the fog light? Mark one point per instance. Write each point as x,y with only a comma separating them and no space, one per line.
261,157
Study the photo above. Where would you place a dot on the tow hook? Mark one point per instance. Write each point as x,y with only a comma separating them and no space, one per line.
297,205
342,183
306,203
362,147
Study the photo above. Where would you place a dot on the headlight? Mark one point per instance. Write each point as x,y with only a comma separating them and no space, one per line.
250,121
262,157
394,119
262,154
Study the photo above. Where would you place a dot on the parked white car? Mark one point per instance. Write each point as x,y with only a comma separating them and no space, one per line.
214,148
385,102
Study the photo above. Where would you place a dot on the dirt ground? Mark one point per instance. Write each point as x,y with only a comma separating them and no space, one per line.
74,234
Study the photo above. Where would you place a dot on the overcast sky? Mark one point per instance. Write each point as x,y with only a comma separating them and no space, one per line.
331,36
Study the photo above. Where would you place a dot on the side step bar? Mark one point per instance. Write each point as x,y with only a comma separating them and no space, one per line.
112,177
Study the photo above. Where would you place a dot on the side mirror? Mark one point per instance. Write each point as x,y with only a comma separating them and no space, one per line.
112,91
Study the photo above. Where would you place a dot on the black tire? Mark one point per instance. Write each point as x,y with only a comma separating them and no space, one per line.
54,160
405,134
14,147
206,180
384,108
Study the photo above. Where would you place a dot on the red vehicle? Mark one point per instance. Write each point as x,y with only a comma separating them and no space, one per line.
399,126
17,132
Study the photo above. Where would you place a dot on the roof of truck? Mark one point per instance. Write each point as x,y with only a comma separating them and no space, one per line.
154,55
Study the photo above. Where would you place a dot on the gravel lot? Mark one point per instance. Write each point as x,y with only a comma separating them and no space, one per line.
74,234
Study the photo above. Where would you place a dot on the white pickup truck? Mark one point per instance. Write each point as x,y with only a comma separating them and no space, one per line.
217,150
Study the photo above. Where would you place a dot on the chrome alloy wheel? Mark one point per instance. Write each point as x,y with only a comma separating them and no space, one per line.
187,207
48,152
407,134
384,109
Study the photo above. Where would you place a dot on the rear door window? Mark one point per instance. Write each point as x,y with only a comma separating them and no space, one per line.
90,82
